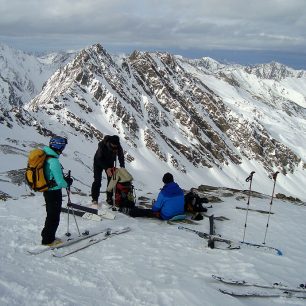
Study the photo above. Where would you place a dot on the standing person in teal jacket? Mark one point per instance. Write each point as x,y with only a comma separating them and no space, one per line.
53,196
169,203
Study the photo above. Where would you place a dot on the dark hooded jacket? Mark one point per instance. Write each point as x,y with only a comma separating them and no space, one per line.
105,157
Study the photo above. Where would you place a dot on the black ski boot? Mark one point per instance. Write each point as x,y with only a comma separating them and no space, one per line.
109,198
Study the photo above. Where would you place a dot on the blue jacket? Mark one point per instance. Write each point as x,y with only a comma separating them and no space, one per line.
53,170
170,201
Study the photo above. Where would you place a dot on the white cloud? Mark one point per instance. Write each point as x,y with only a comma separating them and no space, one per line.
193,24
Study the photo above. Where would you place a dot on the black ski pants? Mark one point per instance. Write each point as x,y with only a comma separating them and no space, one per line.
143,212
53,199
96,185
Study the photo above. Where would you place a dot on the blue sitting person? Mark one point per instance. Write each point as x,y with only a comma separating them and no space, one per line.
169,203
170,200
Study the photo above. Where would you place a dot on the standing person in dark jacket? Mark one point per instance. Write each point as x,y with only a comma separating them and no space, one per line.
53,196
105,158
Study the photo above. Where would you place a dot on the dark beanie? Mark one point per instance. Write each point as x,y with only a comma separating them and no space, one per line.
168,178
114,140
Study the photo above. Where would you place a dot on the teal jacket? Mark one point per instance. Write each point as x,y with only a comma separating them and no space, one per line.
53,170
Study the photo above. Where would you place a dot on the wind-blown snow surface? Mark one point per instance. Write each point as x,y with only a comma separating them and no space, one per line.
155,263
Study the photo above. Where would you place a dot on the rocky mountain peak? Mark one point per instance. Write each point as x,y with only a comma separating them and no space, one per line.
209,64
272,71
148,92
187,114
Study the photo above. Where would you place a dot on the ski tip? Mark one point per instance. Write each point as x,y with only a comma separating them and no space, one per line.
216,277
279,252
224,291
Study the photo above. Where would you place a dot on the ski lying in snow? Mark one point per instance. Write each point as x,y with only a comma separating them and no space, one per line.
234,244
83,214
262,294
87,243
89,212
181,219
65,243
256,210
243,283
219,218
104,213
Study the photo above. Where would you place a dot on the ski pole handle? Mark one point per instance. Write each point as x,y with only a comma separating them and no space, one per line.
250,177
274,176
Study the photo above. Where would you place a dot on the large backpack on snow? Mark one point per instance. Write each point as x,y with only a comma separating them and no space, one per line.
125,195
193,203
34,174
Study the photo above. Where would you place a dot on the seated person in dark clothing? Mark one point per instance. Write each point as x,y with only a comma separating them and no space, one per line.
169,203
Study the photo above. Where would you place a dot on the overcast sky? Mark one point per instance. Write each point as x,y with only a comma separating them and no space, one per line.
193,28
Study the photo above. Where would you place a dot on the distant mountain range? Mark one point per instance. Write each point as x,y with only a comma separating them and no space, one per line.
197,118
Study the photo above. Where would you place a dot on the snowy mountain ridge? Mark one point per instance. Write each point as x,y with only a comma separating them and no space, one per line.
199,119
22,75
208,124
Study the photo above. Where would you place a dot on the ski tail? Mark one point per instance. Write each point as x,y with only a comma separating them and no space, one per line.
262,293
243,283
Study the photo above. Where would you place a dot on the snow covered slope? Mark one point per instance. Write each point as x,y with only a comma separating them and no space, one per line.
204,121
155,263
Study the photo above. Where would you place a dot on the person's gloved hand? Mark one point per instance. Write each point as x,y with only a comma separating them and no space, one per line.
110,171
69,180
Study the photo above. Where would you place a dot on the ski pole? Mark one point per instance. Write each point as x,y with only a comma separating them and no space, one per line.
69,205
114,178
271,202
248,179
68,234
211,242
